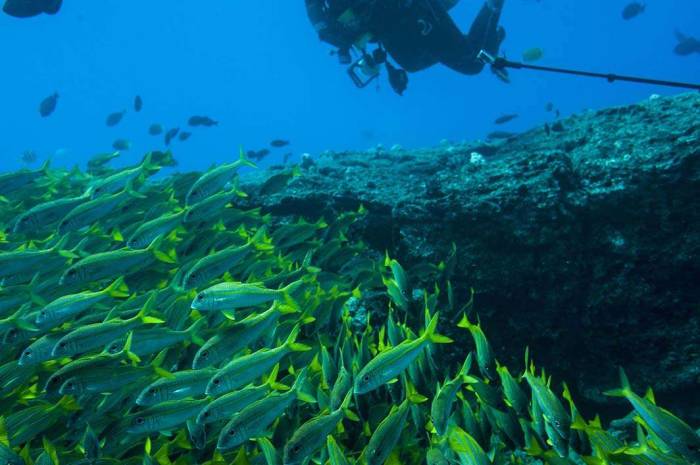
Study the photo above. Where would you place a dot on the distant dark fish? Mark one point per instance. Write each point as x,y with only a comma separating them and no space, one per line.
501,135
138,103
558,127
549,106
48,105
279,181
205,121
547,129
121,144
170,135
533,54
163,158
114,118
505,118
29,8
102,159
279,143
155,129
184,135
258,154
632,10
29,157
686,45
286,157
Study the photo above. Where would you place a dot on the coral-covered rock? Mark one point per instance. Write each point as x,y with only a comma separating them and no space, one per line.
582,243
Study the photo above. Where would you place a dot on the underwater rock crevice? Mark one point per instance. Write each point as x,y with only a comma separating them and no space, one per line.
581,244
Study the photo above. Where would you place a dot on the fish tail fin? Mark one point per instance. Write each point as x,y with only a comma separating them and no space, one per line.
117,235
147,307
345,407
625,388
127,349
47,163
74,253
412,394
259,241
287,290
272,380
33,296
194,329
161,256
533,447
129,189
286,308
147,163
67,404
578,423
306,262
298,385
641,437
59,247
291,287
117,289
431,331
291,341
466,366
465,323
243,158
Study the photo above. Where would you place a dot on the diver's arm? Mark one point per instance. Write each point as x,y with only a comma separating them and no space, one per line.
325,26
484,34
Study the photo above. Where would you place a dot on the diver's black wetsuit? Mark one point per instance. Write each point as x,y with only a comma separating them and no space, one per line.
416,33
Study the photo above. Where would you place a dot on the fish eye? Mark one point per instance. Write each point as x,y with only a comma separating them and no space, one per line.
200,296
365,378
205,414
204,354
152,391
140,420
69,385
61,345
232,432
27,353
216,381
296,448
71,272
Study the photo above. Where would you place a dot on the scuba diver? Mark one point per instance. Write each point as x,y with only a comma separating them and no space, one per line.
416,34
29,8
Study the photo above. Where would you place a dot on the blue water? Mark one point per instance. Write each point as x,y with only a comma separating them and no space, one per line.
258,67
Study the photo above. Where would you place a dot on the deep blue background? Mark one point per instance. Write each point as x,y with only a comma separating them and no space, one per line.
258,67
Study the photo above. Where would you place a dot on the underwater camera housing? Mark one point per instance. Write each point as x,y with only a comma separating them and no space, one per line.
363,71
366,68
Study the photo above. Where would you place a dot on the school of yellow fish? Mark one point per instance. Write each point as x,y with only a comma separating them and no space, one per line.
151,319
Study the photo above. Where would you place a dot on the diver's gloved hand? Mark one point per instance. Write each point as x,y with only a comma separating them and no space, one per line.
501,73
398,78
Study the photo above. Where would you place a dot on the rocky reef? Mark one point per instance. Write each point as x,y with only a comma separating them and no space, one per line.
581,239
